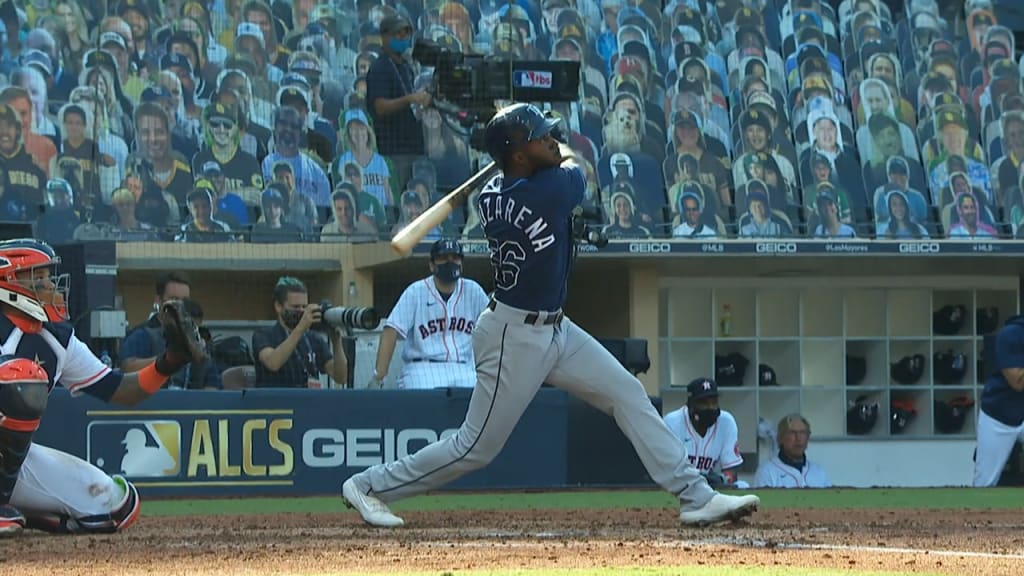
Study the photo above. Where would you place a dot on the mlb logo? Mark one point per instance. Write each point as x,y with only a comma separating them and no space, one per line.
533,79
135,448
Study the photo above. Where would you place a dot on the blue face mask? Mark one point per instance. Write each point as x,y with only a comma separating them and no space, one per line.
400,46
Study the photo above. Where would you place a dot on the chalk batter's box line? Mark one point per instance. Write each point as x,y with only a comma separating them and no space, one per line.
186,484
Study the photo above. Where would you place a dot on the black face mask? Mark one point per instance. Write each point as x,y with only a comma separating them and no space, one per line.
290,318
448,272
707,416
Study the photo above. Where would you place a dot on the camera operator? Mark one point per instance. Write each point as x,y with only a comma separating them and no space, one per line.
293,353
390,96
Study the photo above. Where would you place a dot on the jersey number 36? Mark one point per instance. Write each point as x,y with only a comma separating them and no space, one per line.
505,257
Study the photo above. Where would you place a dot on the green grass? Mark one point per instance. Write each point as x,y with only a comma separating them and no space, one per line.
932,498
661,571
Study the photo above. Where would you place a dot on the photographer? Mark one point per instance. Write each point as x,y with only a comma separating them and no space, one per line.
390,97
289,354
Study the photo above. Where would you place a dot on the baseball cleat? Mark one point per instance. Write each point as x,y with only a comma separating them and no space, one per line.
11,520
373,511
720,508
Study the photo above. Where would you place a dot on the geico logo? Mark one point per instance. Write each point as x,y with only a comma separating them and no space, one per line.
919,248
776,248
264,453
361,447
650,247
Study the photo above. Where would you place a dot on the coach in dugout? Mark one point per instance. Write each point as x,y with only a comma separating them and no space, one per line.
435,316
790,468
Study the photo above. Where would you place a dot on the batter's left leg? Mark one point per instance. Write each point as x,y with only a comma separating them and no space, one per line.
995,442
61,493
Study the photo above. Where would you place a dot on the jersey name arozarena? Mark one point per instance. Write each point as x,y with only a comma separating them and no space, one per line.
505,208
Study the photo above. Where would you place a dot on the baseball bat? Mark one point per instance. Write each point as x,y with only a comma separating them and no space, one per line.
408,237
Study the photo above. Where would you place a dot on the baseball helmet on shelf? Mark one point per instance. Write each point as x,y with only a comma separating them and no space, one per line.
861,416
949,320
909,369
766,376
950,415
856,369
730,369
513,126
902,414
949,367
445,246
987,319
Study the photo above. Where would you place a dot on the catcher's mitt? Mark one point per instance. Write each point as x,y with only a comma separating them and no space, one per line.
184,344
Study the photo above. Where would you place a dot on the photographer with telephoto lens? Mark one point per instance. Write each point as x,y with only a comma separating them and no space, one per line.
292,353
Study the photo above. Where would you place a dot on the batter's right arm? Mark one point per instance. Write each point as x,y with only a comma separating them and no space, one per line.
385,350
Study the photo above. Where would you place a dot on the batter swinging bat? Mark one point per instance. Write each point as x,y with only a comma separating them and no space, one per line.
408,237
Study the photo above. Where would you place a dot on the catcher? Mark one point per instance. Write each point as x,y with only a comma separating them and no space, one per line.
40,487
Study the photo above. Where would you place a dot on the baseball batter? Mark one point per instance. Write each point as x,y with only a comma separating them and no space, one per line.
435,317
41,487
522,339
1001,418
708,433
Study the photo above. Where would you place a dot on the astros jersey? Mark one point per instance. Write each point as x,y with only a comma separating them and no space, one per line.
717,450
437,333
62,355
527,227
777,474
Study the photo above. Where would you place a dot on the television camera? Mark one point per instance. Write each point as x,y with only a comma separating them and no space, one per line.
465,87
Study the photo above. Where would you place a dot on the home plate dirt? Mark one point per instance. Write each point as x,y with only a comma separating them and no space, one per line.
946,542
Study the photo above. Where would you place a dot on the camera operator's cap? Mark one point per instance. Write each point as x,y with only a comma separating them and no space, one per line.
394,24
251,30
701,388
155,93
38,60
212,168
444,247
112,38
173,59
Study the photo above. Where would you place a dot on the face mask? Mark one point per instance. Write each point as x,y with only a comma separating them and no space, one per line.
399,46
448,272
291,318
707,416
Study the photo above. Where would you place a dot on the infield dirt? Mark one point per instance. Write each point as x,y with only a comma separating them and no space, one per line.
962,542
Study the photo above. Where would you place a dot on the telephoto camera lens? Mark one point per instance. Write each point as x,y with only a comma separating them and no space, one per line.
356,317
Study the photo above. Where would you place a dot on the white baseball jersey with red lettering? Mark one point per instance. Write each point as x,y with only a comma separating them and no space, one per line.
717,450
438,334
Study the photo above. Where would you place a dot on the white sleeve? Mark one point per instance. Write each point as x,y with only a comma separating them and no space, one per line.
81,367
404,312
730,456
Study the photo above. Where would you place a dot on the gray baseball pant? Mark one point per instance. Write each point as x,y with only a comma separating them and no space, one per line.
513,359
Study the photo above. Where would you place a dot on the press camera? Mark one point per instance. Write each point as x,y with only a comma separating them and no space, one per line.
346,318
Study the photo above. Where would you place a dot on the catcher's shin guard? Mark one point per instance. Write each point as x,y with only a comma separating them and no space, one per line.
124,516
23,393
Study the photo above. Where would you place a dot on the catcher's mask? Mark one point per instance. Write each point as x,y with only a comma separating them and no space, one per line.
909,369
949,367
903,413
948,320
950,415
861,416
41,292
